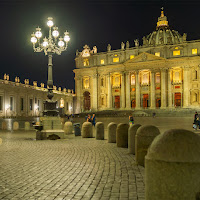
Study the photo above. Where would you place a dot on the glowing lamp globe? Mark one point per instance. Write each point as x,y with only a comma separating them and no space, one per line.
38,34
66,38
50,22
45,44
33,39
55,33
61,43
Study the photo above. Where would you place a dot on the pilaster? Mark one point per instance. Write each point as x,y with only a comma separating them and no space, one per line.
163,88
137,91
128,92
153,102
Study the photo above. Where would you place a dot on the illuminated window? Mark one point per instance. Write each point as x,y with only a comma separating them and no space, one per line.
176,53
61,103
194,51
86,83
157,77
86,62
102,61
145,78
132,56
176,47
176,76
116,59
116,80
133,79
157,54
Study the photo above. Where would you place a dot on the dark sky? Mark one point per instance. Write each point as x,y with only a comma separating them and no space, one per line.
94,22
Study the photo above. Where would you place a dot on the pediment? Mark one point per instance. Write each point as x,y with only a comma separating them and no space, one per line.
145,57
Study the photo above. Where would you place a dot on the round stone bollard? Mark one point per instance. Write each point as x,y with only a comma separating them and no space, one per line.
172,166
122,135
87,130
68,128
15,126
27,126
99,131
131,137
4,126
143,139
112,127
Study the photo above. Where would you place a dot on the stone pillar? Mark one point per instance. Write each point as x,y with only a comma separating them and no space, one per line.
122,135
95,92
163,88
78,93
169,89
128,92
99,131
172,166
186,87
109,92
123,91
137,91
153,96
112,132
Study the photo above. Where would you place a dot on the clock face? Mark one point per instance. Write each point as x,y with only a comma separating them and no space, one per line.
85,53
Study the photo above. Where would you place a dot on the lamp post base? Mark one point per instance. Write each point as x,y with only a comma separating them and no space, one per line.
50,108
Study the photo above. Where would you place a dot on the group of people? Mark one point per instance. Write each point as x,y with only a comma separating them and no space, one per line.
91,119
196,122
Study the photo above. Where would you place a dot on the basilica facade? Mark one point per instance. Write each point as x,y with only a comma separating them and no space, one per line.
162,72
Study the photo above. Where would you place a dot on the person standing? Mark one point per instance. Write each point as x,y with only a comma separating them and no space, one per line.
89,118
93,119
131,120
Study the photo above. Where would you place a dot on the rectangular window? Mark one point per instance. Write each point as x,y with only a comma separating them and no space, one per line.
157,78
1,103
176,53
116,59
132,79
86,62
11,103
194,51
31,104
157,54
22,103
132,56
102,61
38,104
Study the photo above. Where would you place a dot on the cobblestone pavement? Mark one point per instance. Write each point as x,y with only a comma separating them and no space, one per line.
66,169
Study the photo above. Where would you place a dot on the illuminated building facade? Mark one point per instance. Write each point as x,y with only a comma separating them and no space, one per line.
23,100
162,73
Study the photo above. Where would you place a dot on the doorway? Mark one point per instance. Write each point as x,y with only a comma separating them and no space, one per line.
86,100
117,102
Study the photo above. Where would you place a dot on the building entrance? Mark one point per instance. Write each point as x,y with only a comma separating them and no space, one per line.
177,99
145,100
117,101
158,103
86,100
133,103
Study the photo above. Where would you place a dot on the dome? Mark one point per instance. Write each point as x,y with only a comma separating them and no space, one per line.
163,34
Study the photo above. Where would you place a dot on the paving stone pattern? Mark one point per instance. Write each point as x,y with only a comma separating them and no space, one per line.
80,168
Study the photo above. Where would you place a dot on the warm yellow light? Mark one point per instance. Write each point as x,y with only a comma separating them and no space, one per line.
132,56
61,43
194,51
176,53
116,59
50,22
33,40
102,61
45,44
157,54
61,103
55,33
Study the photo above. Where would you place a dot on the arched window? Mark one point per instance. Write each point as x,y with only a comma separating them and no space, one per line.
86,82
145,78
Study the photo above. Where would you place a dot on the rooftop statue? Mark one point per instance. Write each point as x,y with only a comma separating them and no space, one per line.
136,42
109,47
127,45
122,46
94,49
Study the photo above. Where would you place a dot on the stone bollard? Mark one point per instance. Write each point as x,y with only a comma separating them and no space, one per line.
143,139
172,166
27,126
131,137
15,126
112,127
122,135
99,131
0,141
4,126
87,130
68,130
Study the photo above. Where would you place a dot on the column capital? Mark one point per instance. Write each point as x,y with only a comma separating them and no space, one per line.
187,67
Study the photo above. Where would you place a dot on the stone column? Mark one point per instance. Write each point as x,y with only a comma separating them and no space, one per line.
169,89
163,88
123,91
78,93
185,87
95,92
137,91
153,95
128,92
109,91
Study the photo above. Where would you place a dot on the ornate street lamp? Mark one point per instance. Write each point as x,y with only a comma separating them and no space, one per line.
51,45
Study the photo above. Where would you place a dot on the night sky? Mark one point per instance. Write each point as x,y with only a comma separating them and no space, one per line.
91,22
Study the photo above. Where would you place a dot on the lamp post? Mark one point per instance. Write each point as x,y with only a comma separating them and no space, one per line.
51,45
